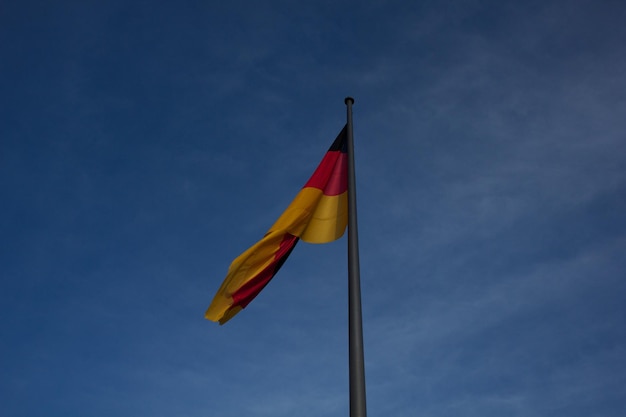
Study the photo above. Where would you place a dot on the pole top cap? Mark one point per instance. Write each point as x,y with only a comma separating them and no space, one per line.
348,100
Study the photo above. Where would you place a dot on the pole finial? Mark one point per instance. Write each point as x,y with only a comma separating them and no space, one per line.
348,99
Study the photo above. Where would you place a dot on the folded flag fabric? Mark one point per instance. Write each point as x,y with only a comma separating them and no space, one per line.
318,214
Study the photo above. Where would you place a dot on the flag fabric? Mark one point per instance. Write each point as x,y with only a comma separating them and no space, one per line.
318,214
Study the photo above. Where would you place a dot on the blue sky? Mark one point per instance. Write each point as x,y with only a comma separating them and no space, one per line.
144,145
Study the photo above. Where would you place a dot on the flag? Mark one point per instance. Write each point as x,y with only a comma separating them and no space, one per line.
318,214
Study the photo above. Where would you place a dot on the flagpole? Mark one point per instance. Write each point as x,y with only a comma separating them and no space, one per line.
355,322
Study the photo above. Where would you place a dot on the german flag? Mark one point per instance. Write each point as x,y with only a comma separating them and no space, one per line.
318,214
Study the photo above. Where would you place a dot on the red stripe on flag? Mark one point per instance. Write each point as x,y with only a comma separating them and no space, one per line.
331,176
247,292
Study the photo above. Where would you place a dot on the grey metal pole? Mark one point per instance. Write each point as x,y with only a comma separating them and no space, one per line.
355,322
